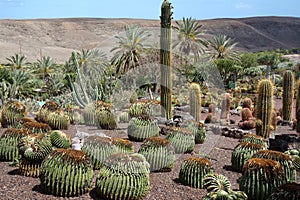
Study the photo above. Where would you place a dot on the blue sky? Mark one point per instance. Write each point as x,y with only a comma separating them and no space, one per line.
147,9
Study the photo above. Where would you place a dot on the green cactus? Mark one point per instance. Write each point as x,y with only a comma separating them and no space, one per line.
256,139
159,153
296,161
60,139
195,101
99,148
125,146
285,161
242,152
260,178
45,110
59,120
144,107
199,131
290,191
123,177
66,173
33,149
193,170
89,114
9,143
288,95
106,119
297,114
264,108
124,117
166,59
182,139
37,127
12,113
141,128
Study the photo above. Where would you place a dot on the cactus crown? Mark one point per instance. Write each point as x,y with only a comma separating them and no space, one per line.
15,106
37,127
272,167
198,161
14,132
70,156
273,155
50,105
155,141
249,145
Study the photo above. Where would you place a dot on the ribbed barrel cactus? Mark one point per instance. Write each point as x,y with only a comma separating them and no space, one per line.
285,161
66,172
195,101
256,139
37,127
12,113
123,177
124,117
59,120
99,148
141,128
89,114
260,178
288,191
106,119
193,170
33,149
182,139
60,139
45,110
242,152
159,153
144,107
198,130
288,95
124,146
9,143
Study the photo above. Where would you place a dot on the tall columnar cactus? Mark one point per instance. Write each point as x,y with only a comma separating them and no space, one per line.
66,172
159,153
285,161
193,170
297,114
182,139
166,59
288,95
60,139
225,110
33,149
12,113
195,101
260,178
123,176
9,143
141,128
264,108
242,152
286,191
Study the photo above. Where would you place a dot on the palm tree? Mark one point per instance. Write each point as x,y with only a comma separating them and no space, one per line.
128,53
45,67
17,62
190,37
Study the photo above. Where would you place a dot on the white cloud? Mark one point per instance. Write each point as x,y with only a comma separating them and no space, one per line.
242,5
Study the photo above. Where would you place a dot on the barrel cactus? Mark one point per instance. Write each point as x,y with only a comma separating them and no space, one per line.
242,152
89,115
60,139
198,130
124,145
123,117
141,128
9,143
33,149
159,153
214,182
59,120
193,170
182,139
123,177
45,110
37,127
260,178
290,191
12,113
195,101
256,139
285,161
66,172
288,95
144,107
264,108
106,119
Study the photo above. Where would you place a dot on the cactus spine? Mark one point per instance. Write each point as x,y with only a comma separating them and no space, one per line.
288,95
264,108
195,101
166,59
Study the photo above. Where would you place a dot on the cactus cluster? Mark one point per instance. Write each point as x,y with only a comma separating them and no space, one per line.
260,178
12,113
141,128
242,152
182,139
288,95
264,108
193,170
195,101
123,176
159,153
66,172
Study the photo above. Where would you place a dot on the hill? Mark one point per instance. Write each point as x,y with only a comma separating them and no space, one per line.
59,37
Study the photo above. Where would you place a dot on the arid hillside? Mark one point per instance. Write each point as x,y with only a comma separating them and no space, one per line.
59,37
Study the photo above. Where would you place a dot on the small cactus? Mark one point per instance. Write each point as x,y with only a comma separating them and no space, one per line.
66,173
215,182
59,120
288,95
195,101
123,176
106,119
12,113
247,103
45,110
193,170
246,114
182,139
199,131
159,153
89,115
60,139
225,109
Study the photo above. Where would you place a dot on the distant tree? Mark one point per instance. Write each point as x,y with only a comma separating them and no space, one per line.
270,59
